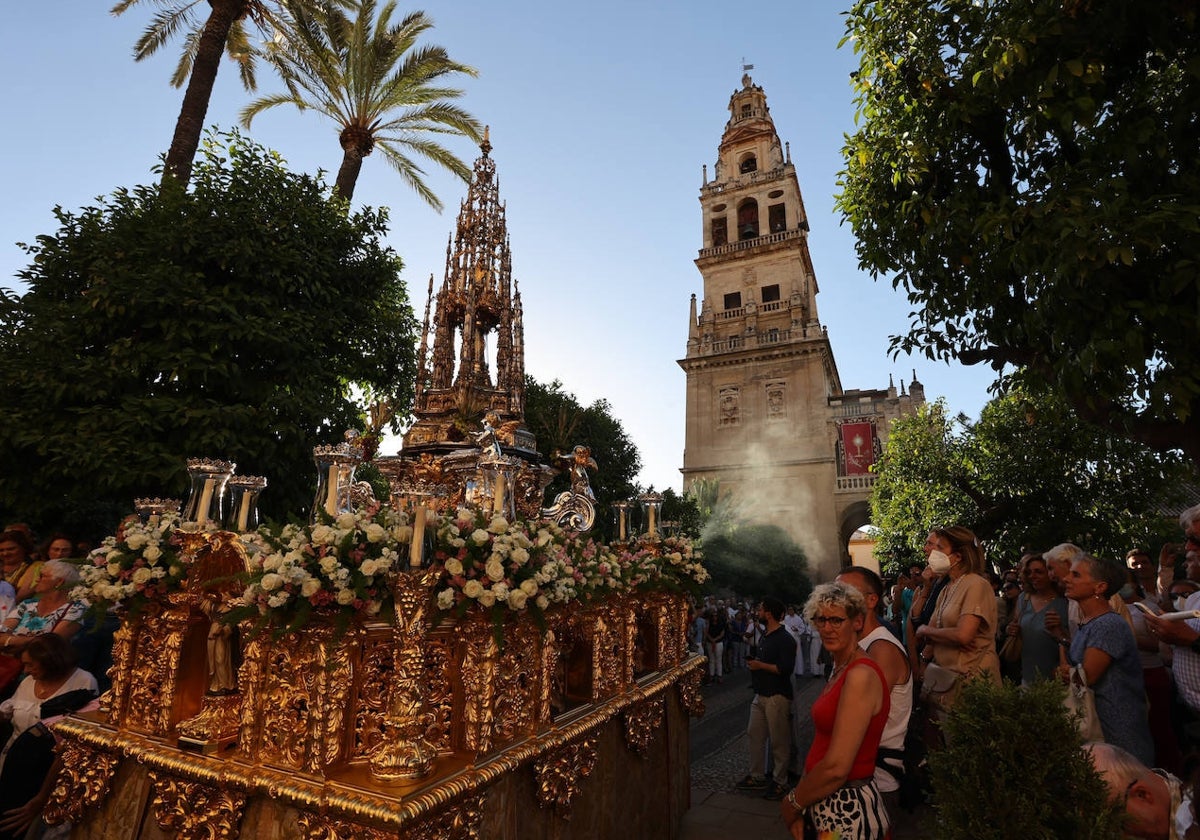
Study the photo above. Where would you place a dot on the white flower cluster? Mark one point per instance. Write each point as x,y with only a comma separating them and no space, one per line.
334,566
140,561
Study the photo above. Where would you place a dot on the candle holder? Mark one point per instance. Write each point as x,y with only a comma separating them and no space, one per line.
651,512
623,520
335,478
244,491
495,493
145,508
206,500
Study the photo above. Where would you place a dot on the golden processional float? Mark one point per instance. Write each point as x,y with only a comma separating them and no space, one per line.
458,663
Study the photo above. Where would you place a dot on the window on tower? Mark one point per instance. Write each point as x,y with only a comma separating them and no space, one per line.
770,294
747,222
733,300
777,218
720,232
749,164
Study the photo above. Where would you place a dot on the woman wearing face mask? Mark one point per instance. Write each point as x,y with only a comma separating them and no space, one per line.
959,641
1155,676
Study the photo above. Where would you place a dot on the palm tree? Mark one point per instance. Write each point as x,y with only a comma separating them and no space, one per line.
222,31
368,76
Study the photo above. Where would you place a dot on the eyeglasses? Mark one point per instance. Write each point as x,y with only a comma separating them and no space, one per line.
834,621
1129,790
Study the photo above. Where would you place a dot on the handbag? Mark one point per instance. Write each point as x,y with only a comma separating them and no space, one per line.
940,685
1010,651
1081,703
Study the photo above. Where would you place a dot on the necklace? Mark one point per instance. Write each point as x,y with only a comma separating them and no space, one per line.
45,690
839,668
944,600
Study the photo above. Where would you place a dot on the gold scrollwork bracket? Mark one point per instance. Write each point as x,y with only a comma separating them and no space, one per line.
559,774
85,780
196,811
689,691
642,722
324,827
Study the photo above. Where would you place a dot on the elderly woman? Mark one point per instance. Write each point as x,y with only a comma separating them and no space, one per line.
1104,645
51,610
960,638
837,792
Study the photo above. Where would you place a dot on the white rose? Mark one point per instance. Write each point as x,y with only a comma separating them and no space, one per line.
542,602
487,599
113,569
272,562
529,587
445,599
277,600
458,542
479,536
152,553
454,566
520,556
346,521
142,576
136,540
321,534
329,564
498,525
345,596
494,569
271,582
473,589
369,567
310,587
375,533
500,590
516,599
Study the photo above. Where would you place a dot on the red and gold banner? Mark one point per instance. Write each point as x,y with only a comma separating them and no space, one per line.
858,447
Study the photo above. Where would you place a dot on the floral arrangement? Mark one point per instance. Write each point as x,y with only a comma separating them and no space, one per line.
529,566
339,568
138,565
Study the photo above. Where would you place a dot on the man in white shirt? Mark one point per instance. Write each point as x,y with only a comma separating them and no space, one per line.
1184,636
889,654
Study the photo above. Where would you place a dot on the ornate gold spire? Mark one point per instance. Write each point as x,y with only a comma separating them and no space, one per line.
463,374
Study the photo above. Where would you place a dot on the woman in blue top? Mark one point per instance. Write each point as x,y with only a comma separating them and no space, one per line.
1105,646
1039,650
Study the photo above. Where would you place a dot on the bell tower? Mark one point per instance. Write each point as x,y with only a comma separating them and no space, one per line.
765,405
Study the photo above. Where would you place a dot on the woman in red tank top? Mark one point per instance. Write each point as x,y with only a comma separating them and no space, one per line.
837,792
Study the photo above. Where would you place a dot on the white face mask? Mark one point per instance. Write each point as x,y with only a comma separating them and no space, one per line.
1183,817
939,563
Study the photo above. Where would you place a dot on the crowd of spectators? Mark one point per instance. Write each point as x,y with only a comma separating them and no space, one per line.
51,656
896,654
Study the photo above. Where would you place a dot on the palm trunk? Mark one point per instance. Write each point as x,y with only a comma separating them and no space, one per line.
347,176
190,124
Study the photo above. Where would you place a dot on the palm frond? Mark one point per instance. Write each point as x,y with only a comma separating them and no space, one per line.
162,28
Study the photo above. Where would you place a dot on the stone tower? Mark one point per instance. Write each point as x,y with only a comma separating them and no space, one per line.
767,417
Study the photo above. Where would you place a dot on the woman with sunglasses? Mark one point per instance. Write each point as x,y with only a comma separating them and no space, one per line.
959,640
837,792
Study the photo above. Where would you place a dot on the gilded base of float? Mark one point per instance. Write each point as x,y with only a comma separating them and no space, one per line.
619,769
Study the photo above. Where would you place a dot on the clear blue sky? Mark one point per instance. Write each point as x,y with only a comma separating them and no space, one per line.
601,117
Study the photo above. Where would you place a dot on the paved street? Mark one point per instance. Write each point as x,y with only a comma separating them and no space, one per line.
719,749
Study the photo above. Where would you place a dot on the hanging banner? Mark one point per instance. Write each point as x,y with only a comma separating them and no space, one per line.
858,447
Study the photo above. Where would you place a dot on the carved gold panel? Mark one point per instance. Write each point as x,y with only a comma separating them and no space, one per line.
643,721
559,774
85,779
195,811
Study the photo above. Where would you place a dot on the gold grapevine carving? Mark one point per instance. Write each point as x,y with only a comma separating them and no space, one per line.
82,784
642,722
560,774
194,811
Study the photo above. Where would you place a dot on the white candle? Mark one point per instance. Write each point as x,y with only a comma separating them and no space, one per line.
621,520
331,492
244,512
205,500
415,548
498,496
653,530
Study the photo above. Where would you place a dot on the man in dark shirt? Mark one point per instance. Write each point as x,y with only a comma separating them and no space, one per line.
771,668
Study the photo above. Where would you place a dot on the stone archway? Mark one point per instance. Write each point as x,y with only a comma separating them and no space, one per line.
854,516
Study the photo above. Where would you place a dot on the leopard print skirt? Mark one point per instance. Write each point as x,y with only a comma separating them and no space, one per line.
855,811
